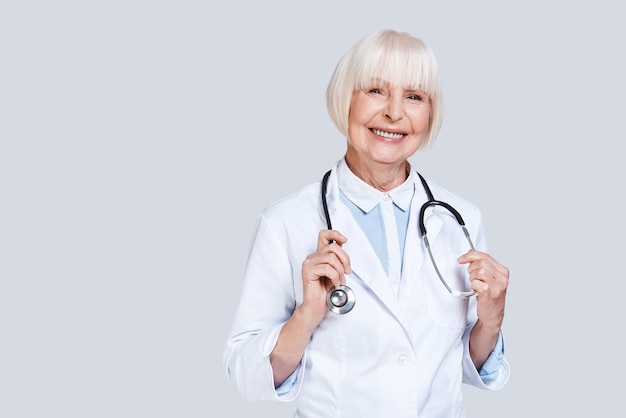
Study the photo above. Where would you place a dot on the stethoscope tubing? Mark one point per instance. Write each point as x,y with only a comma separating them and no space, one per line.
341,299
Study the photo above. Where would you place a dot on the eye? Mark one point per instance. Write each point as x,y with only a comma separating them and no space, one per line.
415,97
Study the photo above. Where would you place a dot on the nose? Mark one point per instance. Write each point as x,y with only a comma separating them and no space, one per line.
394,110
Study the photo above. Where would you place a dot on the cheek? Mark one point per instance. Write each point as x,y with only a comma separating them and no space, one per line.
356,115
421,121
357,121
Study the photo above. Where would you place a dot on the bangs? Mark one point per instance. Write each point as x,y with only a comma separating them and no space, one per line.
399,62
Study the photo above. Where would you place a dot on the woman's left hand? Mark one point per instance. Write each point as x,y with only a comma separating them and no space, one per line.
490,279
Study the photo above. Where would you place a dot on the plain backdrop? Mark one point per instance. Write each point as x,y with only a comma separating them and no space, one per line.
140,139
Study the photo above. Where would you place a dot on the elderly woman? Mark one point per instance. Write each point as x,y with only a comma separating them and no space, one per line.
419,306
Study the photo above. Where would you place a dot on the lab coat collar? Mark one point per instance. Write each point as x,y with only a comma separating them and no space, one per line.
338,211
367,197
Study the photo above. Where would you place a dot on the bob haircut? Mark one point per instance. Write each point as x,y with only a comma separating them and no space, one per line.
398,58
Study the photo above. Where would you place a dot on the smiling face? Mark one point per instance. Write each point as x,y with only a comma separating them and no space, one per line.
386,125
381,60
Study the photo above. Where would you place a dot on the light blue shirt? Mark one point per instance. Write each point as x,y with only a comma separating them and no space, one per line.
368,206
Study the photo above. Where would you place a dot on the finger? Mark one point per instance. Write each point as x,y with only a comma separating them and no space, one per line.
479,286
328,236
474,256
337,269
471,256
324,265
477,272
487,280
478,266
489,271
330,276
334,245
342,257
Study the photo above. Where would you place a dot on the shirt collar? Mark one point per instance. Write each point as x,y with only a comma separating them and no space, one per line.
367,197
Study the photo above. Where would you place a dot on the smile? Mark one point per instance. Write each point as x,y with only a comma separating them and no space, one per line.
388,135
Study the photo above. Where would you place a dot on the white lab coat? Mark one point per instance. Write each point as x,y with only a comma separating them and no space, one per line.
401,352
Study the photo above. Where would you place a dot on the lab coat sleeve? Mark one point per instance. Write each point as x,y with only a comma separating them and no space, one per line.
250,372
498,366
499,374
267,301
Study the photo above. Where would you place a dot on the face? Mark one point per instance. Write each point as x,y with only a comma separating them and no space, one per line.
386,125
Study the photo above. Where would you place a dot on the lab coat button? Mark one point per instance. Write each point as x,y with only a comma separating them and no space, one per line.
385,197
403,358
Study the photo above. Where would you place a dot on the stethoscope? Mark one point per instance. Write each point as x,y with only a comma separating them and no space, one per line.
341,299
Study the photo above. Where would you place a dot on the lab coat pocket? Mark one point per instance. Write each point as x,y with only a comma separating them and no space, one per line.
445,310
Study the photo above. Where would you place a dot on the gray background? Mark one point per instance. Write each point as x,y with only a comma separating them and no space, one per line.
139,140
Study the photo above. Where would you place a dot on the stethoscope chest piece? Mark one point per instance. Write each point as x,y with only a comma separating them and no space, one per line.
340,299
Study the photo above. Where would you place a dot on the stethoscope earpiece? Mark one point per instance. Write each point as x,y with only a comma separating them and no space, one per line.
340,299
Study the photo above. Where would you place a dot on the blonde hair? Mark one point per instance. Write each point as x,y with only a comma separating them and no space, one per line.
396,57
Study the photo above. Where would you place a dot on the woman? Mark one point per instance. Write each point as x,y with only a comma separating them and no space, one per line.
408,342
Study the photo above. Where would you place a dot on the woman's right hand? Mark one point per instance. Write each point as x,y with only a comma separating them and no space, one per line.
322,270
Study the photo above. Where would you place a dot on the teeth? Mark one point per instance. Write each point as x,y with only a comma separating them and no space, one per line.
388,135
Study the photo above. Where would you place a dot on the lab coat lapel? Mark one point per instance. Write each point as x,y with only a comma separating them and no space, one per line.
416,262
365,264
364,261
415,254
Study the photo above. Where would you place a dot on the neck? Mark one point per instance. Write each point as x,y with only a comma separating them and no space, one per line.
383,177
